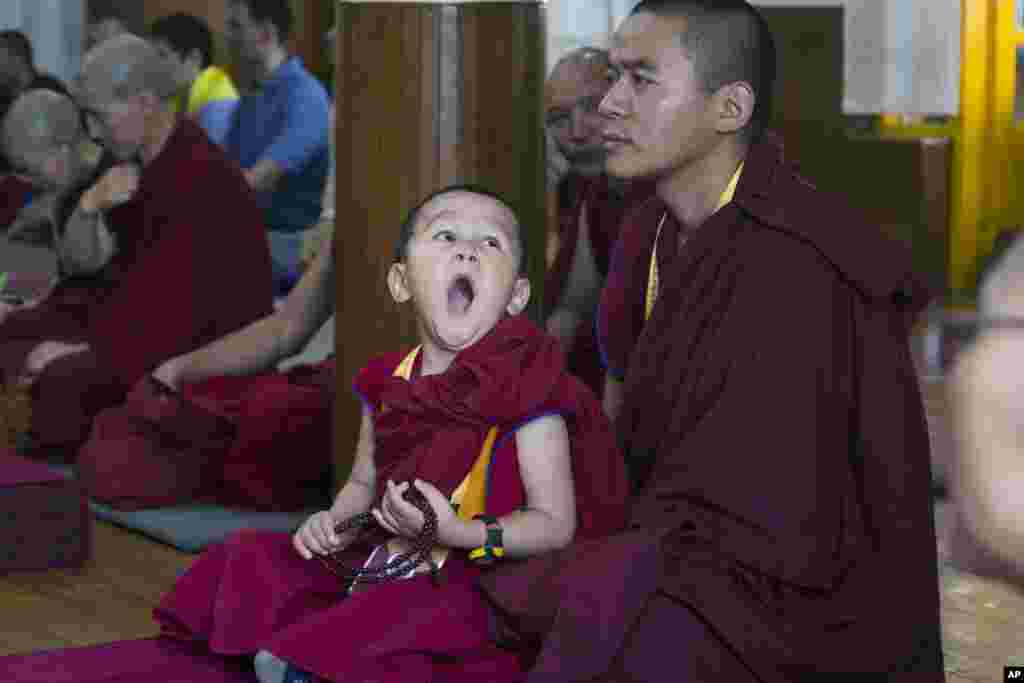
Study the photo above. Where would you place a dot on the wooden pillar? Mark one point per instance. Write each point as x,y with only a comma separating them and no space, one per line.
428,94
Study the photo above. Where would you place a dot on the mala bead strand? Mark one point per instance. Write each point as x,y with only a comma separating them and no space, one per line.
400,565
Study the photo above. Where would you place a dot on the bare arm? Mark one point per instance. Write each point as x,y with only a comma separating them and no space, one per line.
316,536
267,341
548,521
358,492
989,420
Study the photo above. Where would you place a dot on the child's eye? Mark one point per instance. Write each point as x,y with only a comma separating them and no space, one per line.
446,235
493,242
639,82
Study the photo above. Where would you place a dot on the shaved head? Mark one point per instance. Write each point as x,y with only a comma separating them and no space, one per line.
728,41
572,94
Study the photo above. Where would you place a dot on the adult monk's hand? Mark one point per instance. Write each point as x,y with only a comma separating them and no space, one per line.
316,536
169,373
116,186
44,354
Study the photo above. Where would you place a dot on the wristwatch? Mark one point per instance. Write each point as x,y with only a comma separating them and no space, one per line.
493,549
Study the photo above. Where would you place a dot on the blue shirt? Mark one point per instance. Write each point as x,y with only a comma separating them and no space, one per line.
286,122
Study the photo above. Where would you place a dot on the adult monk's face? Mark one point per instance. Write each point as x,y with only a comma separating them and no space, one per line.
572,95
461,269
661,118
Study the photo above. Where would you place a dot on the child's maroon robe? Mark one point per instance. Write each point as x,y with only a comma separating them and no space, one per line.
255,592
784,527
192,265
605,211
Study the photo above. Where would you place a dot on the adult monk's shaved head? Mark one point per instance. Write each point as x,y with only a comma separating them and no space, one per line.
728,41
572,94
41,134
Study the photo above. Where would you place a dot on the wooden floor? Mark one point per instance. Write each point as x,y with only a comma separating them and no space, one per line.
110,598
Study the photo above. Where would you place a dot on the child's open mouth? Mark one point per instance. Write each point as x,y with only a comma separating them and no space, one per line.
460,295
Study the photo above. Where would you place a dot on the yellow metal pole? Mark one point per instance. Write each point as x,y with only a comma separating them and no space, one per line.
969,190
999,168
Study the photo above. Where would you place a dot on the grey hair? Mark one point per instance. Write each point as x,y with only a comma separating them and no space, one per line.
1004,280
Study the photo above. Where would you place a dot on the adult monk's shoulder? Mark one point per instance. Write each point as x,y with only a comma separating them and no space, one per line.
786,205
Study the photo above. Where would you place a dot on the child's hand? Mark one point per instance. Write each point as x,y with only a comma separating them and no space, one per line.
317,536
402,518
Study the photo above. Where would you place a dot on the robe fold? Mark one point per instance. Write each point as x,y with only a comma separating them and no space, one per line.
605,211
255,592
192,265
259,442
772,411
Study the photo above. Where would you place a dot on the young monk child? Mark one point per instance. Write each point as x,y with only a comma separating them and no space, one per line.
512,453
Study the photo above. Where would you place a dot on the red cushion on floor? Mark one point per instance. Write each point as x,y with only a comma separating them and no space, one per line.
44,517
128,661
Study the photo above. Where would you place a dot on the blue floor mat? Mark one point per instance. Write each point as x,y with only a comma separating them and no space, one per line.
193,527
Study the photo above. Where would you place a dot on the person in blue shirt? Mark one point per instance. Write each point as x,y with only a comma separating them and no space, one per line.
279,133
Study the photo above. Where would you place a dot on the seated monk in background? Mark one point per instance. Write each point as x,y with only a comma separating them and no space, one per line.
511,452
590,207
771,416
189,262
43,137
281,450
236,377
988,420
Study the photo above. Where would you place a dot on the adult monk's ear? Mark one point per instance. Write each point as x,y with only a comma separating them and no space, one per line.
734,106
520,297
397,284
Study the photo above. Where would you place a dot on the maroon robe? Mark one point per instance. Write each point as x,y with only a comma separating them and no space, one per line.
255,592
620,313
784,524
13,193
258,441
605,211
192,265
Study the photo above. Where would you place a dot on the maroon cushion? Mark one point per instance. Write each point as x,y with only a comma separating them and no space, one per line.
44,517
128,661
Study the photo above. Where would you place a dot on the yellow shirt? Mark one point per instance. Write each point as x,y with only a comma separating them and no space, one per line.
652,277
212,85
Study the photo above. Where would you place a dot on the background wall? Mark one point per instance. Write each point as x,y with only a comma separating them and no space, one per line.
53,26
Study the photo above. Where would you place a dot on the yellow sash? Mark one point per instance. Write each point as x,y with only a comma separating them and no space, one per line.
470,497
652,275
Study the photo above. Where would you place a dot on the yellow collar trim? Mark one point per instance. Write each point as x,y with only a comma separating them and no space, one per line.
470,497
651,296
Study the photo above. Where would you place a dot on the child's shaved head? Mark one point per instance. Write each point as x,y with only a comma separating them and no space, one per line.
409,224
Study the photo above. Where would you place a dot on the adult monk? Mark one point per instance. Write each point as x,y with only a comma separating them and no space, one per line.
590,208
782,527
511,452
43,136
988,531
236,377
166,288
